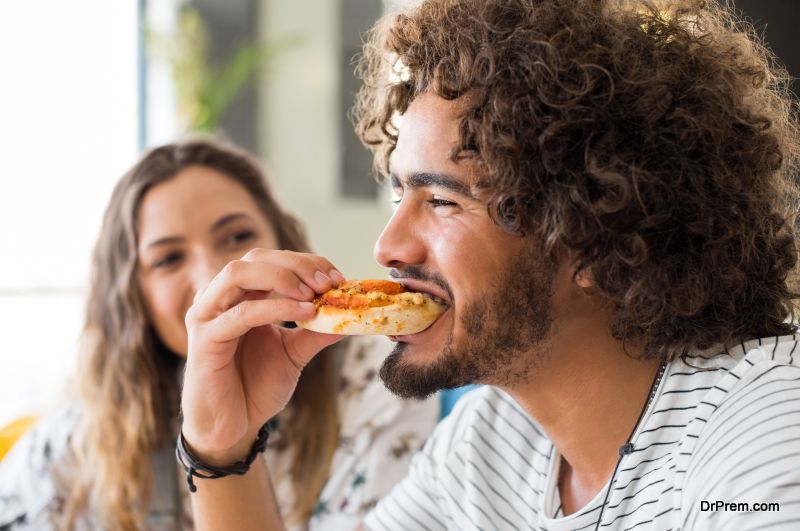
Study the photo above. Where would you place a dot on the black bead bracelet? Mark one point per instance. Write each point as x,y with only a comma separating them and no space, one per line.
194,467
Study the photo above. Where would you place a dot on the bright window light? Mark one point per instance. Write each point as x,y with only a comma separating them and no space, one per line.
69,128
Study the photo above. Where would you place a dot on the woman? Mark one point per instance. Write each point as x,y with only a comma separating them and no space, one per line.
107,461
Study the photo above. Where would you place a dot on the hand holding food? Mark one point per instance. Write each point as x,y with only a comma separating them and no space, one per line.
243,366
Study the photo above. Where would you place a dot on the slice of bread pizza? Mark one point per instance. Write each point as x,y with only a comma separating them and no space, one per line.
373,307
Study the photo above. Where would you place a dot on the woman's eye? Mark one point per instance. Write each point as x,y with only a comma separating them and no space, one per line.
168,260
241,237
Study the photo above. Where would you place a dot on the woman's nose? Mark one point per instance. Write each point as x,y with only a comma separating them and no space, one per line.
205,267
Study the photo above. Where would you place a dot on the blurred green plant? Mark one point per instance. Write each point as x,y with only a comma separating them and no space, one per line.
204,91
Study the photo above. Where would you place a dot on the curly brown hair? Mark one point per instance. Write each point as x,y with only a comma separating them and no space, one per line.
657,143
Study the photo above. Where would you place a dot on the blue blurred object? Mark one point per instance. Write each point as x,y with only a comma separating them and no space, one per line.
449,397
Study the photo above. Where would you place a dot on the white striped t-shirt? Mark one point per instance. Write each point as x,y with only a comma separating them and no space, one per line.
724,429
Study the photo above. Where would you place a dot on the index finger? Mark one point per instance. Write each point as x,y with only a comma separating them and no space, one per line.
231,285
315,271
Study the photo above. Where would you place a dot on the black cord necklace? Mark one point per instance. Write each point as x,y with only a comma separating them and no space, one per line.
628,448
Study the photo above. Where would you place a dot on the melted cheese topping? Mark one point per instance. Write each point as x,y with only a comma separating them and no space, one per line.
355,294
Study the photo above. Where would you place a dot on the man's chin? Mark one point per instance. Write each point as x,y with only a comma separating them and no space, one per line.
419,379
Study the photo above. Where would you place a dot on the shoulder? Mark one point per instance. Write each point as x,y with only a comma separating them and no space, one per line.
46,443
748,450
753,401
28,479
764,380
743,381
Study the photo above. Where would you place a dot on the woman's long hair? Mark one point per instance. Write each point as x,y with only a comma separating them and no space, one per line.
128,380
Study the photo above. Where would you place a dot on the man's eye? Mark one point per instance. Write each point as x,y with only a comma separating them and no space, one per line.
439,202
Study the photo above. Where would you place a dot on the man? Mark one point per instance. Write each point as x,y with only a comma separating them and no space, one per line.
603,194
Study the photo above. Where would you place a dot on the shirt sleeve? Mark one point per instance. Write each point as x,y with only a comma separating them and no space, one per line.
745,473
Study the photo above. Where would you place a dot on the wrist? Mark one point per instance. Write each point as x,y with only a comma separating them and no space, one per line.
217,457
218,447
215,465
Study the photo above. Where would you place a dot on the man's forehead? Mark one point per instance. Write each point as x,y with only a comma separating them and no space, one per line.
431,116
428,135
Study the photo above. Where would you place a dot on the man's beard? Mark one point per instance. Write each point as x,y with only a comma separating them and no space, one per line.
500,331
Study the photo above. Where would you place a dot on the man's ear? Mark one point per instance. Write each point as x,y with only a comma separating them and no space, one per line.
583,277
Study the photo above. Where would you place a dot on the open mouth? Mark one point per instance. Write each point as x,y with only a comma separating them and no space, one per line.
423,287
432,291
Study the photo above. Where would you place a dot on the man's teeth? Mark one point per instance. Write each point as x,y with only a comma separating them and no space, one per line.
434,298
439,300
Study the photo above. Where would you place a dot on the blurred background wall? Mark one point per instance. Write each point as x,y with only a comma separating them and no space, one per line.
320,167
88,84
290,64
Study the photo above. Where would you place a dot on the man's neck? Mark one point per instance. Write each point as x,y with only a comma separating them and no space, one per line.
587,394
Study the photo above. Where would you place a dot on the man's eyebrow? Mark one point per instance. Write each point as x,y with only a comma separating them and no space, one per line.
437,180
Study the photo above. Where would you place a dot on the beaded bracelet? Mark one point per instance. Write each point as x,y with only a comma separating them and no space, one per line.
194,467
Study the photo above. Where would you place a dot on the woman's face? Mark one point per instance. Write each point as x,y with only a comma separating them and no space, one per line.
190,227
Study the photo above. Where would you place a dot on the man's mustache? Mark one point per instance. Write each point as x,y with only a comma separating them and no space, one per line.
414,272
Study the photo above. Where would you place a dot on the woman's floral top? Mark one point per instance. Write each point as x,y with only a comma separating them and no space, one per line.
378,435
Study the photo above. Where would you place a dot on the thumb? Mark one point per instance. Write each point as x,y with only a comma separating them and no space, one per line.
302,345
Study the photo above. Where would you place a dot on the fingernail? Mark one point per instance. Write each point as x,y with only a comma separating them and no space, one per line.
321,277
336,276
305,290
306,305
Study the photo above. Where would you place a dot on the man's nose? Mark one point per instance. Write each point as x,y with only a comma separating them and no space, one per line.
400,242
